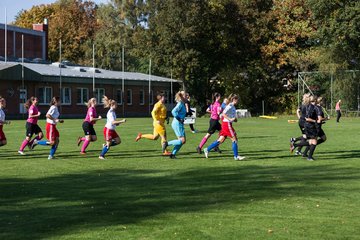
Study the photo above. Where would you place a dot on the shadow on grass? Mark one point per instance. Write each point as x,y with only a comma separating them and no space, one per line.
57,205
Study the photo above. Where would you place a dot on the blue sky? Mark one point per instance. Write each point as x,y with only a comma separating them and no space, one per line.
14,6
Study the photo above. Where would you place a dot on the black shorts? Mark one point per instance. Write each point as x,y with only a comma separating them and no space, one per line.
311,131
32,129
302,127
321,132
214,125
88,128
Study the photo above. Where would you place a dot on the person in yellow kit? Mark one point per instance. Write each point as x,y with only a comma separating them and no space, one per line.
159,115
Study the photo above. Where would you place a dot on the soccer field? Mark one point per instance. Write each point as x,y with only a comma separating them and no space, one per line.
138,194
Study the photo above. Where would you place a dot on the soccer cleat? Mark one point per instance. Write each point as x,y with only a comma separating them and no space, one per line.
138,137
166,153
310,159
304,155
292,147
79,141
292,140
172,156
164,146
298,153
195,131
21,152
206,152
101,157
217,149
50,157
82,153
34,143
239,158
198,150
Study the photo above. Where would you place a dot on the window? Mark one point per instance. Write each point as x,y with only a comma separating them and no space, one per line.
129,97
142,97
82,95
99,93
66,96
45,95
119,96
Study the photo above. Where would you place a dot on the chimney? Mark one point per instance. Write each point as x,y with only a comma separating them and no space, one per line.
43,27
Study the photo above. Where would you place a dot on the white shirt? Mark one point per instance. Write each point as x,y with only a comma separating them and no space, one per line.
54,113
2,115
230,112
110,117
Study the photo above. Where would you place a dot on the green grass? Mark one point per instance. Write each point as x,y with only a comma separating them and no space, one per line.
138,194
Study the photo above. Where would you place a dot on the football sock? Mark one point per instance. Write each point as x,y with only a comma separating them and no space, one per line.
176,148
235,148
203,141
312,149
301,144
306,150
174,142
83,139
85,145
53,150
320,141
303,141
298,139
213,145
23,145
43,143
113,143
104,150
192,127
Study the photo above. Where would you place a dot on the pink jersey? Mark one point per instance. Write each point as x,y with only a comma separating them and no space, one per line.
90,113
215,110
33,110
337,107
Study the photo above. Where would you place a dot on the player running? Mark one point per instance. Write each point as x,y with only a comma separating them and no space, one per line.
52,134
31,124
88,126
320,121
159,116
301,113
179,113
2,121
110,135
214,124
227,130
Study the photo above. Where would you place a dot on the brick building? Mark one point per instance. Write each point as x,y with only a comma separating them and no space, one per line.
35,41
19,82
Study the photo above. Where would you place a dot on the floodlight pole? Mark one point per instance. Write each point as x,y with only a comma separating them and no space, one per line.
60,74
93,70
331,92
149,85
5,36
123,80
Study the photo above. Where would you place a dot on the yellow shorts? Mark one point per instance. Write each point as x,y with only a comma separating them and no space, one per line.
159,129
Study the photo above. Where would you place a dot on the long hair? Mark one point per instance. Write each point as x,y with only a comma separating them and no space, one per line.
215,96
54,100
2,100
91,100
29,102
233,96
179,96
306,98
312,99
108,102
319,100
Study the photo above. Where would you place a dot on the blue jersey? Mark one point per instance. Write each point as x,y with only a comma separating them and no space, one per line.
179,111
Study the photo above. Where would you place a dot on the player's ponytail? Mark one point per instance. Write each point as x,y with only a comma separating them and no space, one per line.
29,102
233,97
108,102
215,96
179,96
91,101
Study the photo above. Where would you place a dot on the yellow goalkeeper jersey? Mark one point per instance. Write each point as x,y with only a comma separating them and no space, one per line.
159,112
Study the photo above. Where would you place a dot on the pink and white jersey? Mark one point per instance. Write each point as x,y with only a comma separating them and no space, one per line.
215,110
91,112
33,110
230,112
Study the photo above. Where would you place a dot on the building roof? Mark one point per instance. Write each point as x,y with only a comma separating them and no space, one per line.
21,30
53,70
